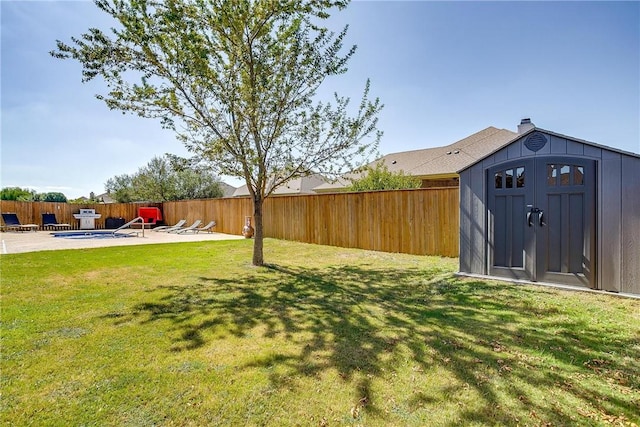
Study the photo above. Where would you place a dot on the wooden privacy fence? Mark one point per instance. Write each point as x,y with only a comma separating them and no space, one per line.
421,221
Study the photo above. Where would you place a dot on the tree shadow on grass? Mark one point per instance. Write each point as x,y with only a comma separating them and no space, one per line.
363,322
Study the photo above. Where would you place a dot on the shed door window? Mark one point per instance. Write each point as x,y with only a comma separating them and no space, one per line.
510,178
520,177
578,175
563,175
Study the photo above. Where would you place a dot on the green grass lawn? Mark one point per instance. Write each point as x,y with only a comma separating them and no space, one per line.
191,334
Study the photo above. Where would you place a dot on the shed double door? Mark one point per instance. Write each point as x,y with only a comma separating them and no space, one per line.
542,220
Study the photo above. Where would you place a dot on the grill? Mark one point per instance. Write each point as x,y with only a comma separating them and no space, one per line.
87,218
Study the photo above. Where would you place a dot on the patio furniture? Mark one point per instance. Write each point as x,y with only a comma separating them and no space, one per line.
167,228
192,227
151,216
49,220
195,230
11,222
208,227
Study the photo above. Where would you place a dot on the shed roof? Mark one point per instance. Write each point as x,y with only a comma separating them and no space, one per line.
548,132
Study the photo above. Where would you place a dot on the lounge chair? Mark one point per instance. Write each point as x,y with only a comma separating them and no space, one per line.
11,222
167,228
197,229
207,227
192,228
49,220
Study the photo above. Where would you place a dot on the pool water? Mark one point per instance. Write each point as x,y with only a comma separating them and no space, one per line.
90,234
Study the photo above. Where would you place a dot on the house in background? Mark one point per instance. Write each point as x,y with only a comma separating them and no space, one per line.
439,166
436,167
105,198
296,186
552,208
227,190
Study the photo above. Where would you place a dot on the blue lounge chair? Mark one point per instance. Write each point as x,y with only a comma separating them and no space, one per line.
11,222
49,220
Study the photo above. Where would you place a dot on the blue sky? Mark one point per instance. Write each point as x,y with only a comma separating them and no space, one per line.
444,70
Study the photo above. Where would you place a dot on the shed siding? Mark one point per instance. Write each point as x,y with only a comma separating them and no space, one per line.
630,225
558,145
472,221
594,152
609,213
575,148
478,209
513,151
466,222
500,156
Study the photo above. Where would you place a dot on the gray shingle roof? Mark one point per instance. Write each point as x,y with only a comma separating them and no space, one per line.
450,158
295,186
446,160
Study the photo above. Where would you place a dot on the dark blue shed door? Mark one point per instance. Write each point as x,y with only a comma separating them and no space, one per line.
541,220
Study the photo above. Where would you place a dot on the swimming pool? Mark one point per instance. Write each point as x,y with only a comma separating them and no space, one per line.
91,234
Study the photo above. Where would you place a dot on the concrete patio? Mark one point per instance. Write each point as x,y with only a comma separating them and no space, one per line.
17,242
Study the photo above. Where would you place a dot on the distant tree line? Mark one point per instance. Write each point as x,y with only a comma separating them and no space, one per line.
164,179
27,195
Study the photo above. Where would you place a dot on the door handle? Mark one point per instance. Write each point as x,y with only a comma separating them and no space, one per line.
541,219
532,211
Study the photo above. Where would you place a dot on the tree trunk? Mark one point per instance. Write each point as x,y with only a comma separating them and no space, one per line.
258,256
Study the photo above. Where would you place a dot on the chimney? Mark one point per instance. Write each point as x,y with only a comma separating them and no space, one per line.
525,125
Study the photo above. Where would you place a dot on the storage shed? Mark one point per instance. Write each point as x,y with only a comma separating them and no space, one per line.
552,208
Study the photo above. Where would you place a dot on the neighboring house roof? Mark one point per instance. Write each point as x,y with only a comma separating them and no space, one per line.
450,158
227,190
105,198
338,185
438,161
296,186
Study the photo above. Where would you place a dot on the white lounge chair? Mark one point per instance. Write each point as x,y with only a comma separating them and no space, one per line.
192,227
166,228
207,227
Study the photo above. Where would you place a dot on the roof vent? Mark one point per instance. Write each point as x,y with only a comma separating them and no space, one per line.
525,126
535,141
